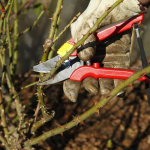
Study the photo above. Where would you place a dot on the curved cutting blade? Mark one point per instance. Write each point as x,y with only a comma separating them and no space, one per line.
63,75
46,66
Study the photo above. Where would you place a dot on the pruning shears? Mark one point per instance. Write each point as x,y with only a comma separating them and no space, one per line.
74,68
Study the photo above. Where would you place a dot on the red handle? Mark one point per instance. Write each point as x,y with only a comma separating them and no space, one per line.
118,27
98,72
114,29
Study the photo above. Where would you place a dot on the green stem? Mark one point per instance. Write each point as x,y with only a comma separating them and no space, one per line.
4,142
27,86
3,117
55,19
5,74
3,16
12,90
22,126
4,123
47,45
23,32
3,62
41,122
28,29
15,55
53,47
41,101
9,40
61,33
91,111
46,50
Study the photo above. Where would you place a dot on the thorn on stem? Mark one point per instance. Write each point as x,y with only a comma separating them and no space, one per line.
59,126
82,123
97,111
95,102
131,84
143,74
61,134
52,133
108,96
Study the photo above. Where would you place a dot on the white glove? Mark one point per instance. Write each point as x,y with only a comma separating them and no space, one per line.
116,48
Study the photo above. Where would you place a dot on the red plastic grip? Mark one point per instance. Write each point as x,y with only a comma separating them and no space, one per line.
113,29
99,72
118,27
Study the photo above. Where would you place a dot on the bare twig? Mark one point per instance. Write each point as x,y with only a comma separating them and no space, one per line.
36,112
29,28
3,16
41,122
3,117
9,40
4,142
25,6
2,7
15,52
61,33
47,47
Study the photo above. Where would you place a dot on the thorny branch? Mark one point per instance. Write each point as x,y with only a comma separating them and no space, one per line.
91,111
23,128
9,141
46,49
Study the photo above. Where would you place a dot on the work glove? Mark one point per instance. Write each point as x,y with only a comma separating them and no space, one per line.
111,53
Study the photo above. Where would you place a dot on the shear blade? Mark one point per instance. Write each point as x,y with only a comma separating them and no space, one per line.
46,66
63,75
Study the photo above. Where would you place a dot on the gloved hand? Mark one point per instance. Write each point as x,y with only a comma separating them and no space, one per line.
112,53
